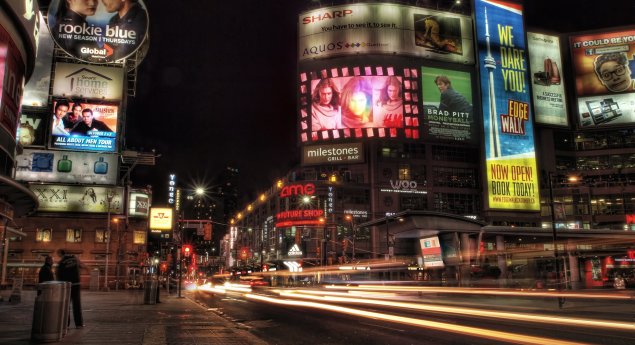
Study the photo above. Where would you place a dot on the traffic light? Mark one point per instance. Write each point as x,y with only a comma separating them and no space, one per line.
187,250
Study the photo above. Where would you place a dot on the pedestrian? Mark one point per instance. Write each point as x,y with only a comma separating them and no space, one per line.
68,271
46,271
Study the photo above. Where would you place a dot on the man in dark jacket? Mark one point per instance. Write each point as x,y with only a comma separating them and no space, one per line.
46,271
68,270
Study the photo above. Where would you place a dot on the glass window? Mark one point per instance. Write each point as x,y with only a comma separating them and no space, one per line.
101,235
139,237
73,235
404,171
44,235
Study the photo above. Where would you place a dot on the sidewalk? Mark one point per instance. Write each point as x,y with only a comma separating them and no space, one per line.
120,317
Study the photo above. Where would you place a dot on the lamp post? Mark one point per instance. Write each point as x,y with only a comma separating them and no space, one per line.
554,237
110,194
116,220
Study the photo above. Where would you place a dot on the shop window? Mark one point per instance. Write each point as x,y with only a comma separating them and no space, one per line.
44,235
74,235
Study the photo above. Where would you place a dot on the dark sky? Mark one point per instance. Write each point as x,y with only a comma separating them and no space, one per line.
218,86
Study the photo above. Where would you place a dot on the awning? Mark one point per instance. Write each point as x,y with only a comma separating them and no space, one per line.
22,199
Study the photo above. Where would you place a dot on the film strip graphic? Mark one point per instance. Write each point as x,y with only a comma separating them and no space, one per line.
405,128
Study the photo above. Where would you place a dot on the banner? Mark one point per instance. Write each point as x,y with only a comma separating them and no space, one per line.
88,81
84,126
84,199
603,66
549,96
66,167
512,179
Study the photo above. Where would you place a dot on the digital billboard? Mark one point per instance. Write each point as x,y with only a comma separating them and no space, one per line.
385,29
76,198
139,204
448,113
98,32
88,81
66,167
603,66
512,178
549,96
36,91
32,130
84,126
161,218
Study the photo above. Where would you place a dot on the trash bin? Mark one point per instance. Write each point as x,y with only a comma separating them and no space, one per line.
150,291
49,319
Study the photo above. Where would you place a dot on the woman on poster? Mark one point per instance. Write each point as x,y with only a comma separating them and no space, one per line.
357,104
391,104
325,109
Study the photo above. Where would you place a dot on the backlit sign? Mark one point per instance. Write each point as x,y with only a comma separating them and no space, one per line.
299,217
139,204
88,81
84,126
161,218
172,192
76,198
66,167
333,154
297,189
32,130
431,252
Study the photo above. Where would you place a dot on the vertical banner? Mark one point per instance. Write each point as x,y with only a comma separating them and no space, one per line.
512,181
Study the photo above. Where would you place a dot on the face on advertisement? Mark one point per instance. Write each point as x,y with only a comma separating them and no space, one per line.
326,95
443,83
393,92
88,116
613,71
358,103
27,135
61,110
114,5
76,114
83,7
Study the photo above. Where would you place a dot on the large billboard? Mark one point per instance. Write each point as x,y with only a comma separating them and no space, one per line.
88,81
85,199
96,31
549,96
385,29
84,126
36,91
603,66
512,179
448,113
66,167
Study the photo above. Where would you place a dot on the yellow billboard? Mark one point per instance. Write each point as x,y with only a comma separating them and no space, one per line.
161,218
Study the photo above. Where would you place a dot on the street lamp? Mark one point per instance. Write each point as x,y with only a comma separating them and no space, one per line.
110,194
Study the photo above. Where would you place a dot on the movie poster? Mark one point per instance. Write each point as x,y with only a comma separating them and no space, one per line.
603,67
84,126
512,179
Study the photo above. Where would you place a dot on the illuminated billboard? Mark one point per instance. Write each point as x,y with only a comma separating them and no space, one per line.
385,29
512,179
161,218
139,204
96,32
431,252
84,126
333,154
32,130
76,198
88,81
66,167
549,96
448,113
36,91
603,66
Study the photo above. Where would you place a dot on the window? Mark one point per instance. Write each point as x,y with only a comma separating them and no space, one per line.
101,235
139,237
404,171
44,235
73,235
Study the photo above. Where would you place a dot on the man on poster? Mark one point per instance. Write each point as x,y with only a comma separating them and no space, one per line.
614,72
89,124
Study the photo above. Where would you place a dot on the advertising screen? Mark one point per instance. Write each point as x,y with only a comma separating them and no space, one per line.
549,97
139,204
603,66
96,32
88,81
431,252
32,130
36,91
448,113
84,126
85,199
385,29
66,167
161,218
512,179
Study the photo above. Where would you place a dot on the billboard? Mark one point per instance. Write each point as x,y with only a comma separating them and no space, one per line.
66,167
11,84
448,113
36,91
98,34
84,126
139,204
333,154
603,66
161,218
431,252
512,179
32,130
385,29
88,81
548,91
84,199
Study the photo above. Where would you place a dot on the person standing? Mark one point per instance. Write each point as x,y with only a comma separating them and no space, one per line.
46,271
68,270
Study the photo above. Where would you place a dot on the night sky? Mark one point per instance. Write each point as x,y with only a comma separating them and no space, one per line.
218,86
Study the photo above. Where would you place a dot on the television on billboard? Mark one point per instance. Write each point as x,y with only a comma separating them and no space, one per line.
548,91
84,126
333,154
36,91
88,81
161,218
139,204
448,113
32,129
76,198
66,167
510,154
98,33
385,29
603,66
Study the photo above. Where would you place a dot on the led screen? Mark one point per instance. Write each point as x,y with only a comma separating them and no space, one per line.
66,167
84,126
603,66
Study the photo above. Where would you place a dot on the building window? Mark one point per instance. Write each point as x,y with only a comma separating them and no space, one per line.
73,235
101,235
44,235
413,202
139,237
404,171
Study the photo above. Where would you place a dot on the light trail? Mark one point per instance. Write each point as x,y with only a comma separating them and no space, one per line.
446,327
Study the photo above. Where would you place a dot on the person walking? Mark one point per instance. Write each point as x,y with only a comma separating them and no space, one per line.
68,270
46,271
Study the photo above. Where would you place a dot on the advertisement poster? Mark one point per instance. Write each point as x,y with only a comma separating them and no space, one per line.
431,252
161,218
603,66
88,81
139,204
66,167
36,91
32,130
512,179
84,126
98,32
447,104
85,199
549,97
385,28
